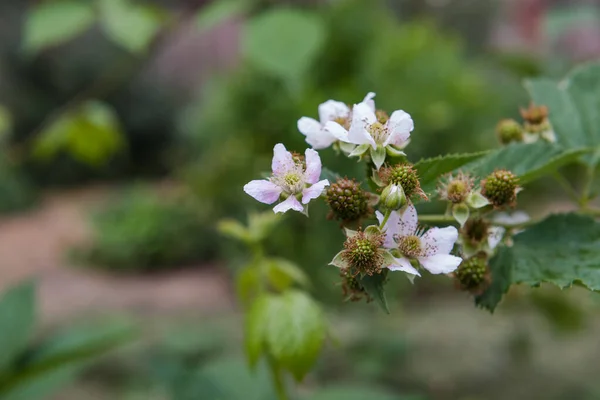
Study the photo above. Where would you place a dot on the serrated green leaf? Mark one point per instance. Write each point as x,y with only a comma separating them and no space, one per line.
132,26
52,23
583,84
374,286
296,332
431,169
257,322
562,249
17,318
528,161
284,42
219,11
283,273
501,271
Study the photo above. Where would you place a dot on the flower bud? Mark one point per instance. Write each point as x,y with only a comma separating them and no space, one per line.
473,274
363,252
348,202
475,232
393,197
500,188
509,130
351,287
534,115
456,189
403,175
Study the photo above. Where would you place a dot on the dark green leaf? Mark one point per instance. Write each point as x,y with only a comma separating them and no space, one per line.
219,11
501,270
527,161
374,285
17,319
52,23
284,42
431,169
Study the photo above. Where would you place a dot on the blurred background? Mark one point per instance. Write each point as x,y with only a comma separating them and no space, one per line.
128,128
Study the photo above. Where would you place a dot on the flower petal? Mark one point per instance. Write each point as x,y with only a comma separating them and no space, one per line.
316,136
403,264
440,263
313,166
309,126
331,110
400,125
368,100
408,222
291,203
314,191
263,191
439,240
362,116
282,160
390,229
495,234
336,131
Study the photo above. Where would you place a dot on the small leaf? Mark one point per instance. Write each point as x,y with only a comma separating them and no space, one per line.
284,42
260,225
338,261
477,200
257,323
130,25
52,23
220,11
234,229
17,318
247,284
378,156
359,151
460,212
283,273
374,285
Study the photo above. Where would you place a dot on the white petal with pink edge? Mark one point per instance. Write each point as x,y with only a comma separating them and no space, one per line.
440,263
282,160
291,203
313,166
263,191
314,191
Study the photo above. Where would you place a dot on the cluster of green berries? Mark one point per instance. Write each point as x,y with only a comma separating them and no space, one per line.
362,252
473,274
405,176
348,202
500,188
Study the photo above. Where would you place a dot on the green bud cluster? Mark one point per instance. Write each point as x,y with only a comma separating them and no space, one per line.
456,188
500,188
472,274
348,202
509,130
404,175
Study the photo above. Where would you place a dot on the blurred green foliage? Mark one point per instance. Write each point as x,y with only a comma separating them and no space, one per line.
35,371
142,232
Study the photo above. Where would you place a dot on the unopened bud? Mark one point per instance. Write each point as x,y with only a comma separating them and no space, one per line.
509,130
348,202
500,188
534,115
393,197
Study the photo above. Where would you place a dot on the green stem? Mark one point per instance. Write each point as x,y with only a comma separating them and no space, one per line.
587,188
566,185
278,381
385,218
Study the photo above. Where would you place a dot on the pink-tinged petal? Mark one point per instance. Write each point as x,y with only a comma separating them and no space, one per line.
400,125
331,110
407,225
403,264
314,191
440,263
291,203
263,191
390,229
282,160
336,130
439,240
368,100
313,166
495,234
362,117
309,126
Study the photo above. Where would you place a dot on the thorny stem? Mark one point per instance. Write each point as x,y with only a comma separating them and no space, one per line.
385,218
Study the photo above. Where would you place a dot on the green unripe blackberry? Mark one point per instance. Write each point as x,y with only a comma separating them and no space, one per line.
509,130
363,252
500,188
403,175
351,287
348,202
472,274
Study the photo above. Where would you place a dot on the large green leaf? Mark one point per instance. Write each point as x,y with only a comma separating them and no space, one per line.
527,161
431,169
352,392
17,318
290,328
562,250
132,26
284,42
573,105
51,23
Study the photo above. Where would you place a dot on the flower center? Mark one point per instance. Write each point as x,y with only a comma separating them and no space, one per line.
378,131
343,121
410,246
